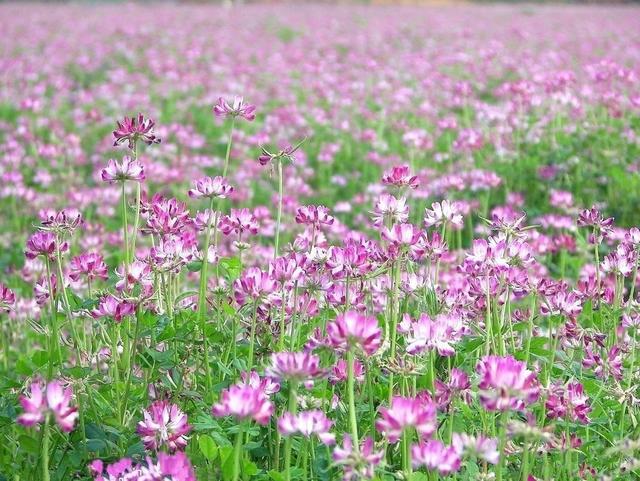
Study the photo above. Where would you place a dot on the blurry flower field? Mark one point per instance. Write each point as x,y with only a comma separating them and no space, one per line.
319,243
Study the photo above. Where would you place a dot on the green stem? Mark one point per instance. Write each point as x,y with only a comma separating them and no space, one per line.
252,339
237,450
293,403
202,295
503,441
353,421
130,365
125,230
279,215
44,453
228,153
136,222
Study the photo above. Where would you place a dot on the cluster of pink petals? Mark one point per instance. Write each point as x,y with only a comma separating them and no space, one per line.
127,169
418,413
244,401
353,329
237,108
506,384
168,467
41,402
307,423
295,366
209,187
357,462
164,425
132,129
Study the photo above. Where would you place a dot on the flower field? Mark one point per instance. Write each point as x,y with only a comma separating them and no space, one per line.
319,243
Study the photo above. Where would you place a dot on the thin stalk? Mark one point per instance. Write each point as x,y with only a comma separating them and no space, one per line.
237,450
279,215
252,339
353,421
130,364
293,403
202,295
125,229
44,452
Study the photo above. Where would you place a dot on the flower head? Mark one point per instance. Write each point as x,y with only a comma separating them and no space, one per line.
244,402
435,456
418,413
237,108
307,423
211,187
164,425
357,463
55,401
297,366
506,383
132,129
354,329
127,169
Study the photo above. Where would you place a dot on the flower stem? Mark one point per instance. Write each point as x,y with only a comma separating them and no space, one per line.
130,365
353,421
237,450
252,339
279,215
202,295
44,452
293,403
225,168
125,230
136,222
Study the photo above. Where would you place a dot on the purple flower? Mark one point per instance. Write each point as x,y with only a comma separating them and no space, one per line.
353,329
400,176
111,306
128,169
568,402
164,425
478,446
91,265
444,212
211,187
298,366
506,384
57,402
244,402
418,413
132,129
357,463
7,298
435,456
238,108
307,423
43,243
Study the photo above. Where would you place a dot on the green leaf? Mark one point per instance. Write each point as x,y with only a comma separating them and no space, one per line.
208,447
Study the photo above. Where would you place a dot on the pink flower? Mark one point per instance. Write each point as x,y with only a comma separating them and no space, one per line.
36,406
388,211
65,220
314,215
253,285
7,298
132,129
444,212
266,384
211,187
568,402
478,446
238,108
435,456
297,366
244,402
418,413
307,423
357,463
400,176
506,384
128,169
43,243
164,424
111,306
239,222
353,329
339,371
91,265
426,334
